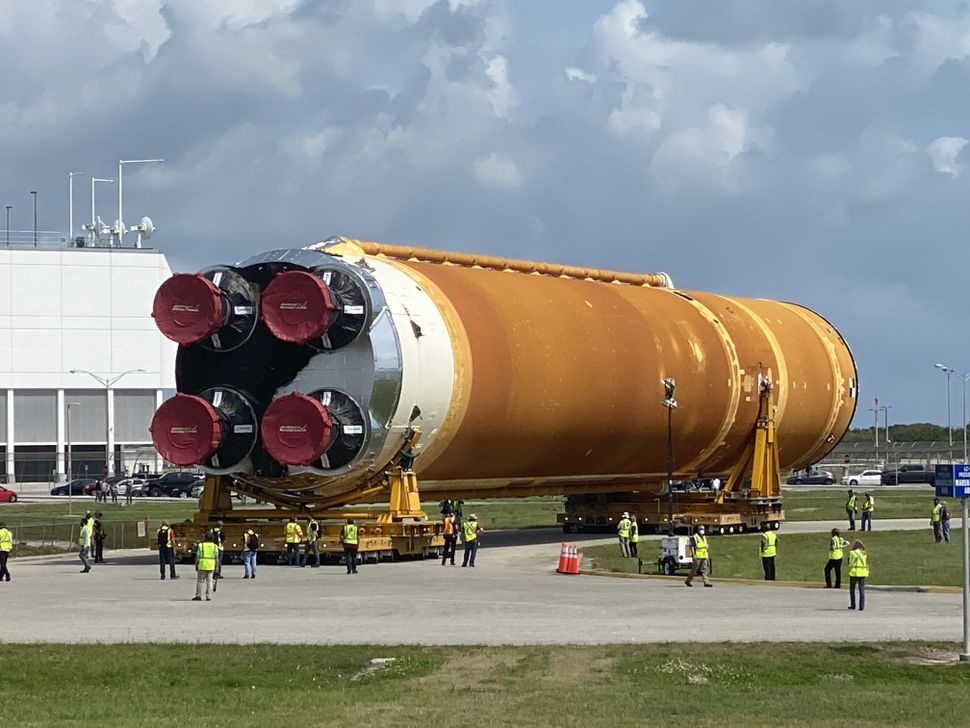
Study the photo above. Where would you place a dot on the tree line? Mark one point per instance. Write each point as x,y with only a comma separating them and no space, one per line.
915,432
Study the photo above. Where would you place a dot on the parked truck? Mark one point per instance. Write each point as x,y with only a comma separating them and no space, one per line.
910,473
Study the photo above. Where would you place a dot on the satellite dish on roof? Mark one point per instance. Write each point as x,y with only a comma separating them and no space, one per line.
144,228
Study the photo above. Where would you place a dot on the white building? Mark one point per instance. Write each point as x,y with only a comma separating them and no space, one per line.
87,310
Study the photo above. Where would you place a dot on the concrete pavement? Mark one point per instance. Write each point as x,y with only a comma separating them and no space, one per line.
513,596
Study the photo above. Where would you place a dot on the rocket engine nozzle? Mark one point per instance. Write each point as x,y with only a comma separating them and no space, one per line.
188,308
298,306
297,429
216,428
187,430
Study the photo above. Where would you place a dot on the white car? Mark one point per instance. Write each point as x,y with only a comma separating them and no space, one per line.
866,477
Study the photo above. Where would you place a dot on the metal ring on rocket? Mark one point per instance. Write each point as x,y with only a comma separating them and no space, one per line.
215,309
298,306
296,429
215,429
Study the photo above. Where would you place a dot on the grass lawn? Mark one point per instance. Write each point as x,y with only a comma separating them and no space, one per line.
895,557
775,685
41,524
829,505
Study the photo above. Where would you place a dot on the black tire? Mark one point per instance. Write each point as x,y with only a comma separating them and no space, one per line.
829,481
13,498
183,494
155,492
668,566
853,482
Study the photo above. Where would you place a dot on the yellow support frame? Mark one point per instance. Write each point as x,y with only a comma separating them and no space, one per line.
760,456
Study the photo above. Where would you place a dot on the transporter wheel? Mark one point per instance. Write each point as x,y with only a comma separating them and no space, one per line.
668,567
741,528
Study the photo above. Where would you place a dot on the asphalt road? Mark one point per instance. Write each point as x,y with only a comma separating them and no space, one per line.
513,596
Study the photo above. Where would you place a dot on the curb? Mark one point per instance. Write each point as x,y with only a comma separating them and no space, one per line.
931,589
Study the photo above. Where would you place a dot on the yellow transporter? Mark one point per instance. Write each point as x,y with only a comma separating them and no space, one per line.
303,375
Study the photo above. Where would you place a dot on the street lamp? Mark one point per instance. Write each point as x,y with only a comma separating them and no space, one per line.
94,215
669,402
34,193
964,376
107,383
875,417
948,371
70,500
121,182
70,204
9,208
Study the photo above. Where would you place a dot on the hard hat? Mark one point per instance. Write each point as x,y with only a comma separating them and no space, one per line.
473,517
625,514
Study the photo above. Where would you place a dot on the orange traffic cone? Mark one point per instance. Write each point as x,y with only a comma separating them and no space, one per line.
563,559
574,560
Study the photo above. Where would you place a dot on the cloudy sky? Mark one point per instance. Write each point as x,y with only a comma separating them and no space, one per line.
813,151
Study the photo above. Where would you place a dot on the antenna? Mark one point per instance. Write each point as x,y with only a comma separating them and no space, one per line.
144,228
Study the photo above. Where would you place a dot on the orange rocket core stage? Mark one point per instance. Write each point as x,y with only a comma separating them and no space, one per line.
558,373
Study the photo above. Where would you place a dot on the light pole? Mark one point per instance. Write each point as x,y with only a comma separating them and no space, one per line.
669,402
34,193
121,182
964,376
885,411
107,383
70,497
875,421
948,371
9,208
94,215
70,204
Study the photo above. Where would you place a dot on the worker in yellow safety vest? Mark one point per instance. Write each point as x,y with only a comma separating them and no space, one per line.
634,535
623,532
450,531
851,510
349,537
858,572
294,537
936,520
868,505
6,546
837,546
312,543
768,548
700,552
84,542
470,530
206,554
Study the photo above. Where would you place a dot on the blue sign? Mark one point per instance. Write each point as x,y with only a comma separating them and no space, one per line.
953,481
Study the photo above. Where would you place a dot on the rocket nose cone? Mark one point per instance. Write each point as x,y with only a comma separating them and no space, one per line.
297,306
186,430
296,429
188,308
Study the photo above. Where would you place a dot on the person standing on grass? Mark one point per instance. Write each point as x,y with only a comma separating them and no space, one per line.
868,503
251,542
6,546
936,520
945,522
623,532
837,546
312,534
768,548
634,535
700,552
165,537
451,537
349,538
129,492
84,542
206,554
851,509
858,572
294,535
471,528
